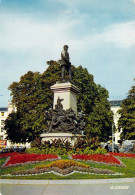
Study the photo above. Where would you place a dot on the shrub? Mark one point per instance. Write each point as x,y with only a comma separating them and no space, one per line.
33,150
82,143
64,151
57,143
100,151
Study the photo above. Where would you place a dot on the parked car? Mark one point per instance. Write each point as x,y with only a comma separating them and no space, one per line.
127,146
108,147
116,148
19,149
6,150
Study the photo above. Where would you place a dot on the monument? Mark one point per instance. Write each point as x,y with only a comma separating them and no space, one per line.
65,63
62,120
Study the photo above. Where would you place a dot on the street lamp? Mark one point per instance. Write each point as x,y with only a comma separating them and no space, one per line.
112,140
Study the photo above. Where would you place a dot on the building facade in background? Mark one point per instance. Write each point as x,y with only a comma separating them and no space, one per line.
4,143
4,112
115,106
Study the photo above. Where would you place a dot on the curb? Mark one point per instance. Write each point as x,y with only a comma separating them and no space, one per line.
68,182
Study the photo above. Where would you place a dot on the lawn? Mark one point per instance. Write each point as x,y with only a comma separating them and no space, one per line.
128,171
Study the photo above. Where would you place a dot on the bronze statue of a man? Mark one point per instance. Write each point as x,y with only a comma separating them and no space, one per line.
65,63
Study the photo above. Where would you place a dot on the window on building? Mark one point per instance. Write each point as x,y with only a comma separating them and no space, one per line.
2,122
2,113
119,130
2,129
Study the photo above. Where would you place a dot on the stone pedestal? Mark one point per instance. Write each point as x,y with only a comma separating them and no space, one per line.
65,136
68,92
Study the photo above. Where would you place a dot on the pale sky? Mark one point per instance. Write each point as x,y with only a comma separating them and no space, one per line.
100,35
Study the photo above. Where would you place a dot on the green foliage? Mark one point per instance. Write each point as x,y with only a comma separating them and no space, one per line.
82,143
63,151
53,150
34,150
100,151
56,143
32,96
64,147
128,171
88,150
14,122
127,118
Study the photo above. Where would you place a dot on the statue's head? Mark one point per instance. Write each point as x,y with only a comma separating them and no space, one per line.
65,47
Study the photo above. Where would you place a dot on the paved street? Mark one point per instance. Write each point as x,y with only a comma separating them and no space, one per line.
76,189
105,187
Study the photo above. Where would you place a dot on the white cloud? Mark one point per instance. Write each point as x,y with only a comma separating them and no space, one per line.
133,1
22,33
72,2
120,34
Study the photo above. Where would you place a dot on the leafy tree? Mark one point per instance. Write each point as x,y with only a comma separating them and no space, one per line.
127,118
92,100
32,96
13,127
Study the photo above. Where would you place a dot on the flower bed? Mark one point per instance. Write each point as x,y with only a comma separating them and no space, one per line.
63,164
21,159
99,158
63,168
127,155
4,155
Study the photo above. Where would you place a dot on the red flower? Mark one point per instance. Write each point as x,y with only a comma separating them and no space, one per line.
123,154
23,158
98,158
8,154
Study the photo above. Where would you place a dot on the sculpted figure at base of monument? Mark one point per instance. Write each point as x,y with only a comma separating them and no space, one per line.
59,120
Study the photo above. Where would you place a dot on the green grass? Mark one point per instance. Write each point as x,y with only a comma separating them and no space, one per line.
18,168
129,171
